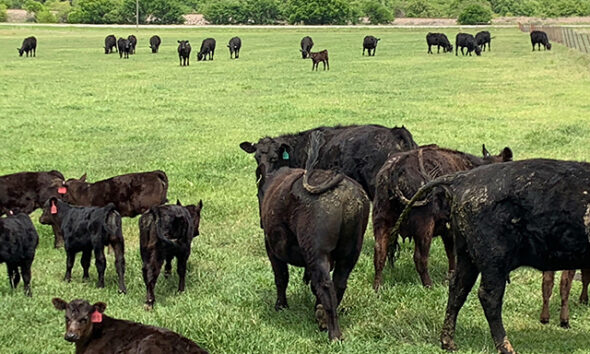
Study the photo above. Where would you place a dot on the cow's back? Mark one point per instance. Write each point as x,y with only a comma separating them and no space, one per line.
18,238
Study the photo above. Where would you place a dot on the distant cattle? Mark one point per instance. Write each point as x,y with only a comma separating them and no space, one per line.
94,332
306,45
165,232
466,40
132,193
314,219
533,213
370,43
110,42
87,230
124,48
567,277
397,181
234,47
184,52
319,57
439,40
29,46
357,151
132,43
155,42
482,39
207,48
538,38
18,241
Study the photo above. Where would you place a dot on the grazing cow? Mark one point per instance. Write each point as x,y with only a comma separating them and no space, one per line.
88,229
234,47
370,43
94,332
401,176
18,241
110,42
533,213
567,277
466,40
124,48
132,43
314,219
165,232
318,57
482,38
358,151
439,40
29,46
155,42
132,194
538,38
306,45
207,48
184,53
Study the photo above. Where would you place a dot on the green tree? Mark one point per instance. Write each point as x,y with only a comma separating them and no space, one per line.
262,12
96,11
421,8
474,14
320,12
225,12
377,12
3,16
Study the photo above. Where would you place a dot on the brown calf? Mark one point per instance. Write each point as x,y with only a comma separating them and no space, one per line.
565,286
318,57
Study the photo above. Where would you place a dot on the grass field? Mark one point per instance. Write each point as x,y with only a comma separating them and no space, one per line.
77,110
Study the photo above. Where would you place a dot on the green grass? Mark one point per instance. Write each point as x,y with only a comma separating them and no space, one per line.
77,110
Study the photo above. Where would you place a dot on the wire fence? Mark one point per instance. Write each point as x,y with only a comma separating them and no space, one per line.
564,35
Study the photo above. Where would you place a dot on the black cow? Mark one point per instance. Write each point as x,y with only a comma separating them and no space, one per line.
87,230
124,48
18,241
538,38
132,43
533,213
357,151
234,47
184,53
439,40
165,232
207,48
482,38
155,42
110,42
94,332
306,45
466,40
27,191
29,46
370,43
314,219
318,57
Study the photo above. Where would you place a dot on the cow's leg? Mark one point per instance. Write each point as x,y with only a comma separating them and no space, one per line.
567,277
423,239
181,262
585,282
101,264
381,229
71,257
328,64
459,287
85,262
26,271
237,55
437,49
364,50
180,60
547,288
281,272
188,61
13,275
326,311
152,264
119,248
168,266
450,251
491,293
324,62
58,237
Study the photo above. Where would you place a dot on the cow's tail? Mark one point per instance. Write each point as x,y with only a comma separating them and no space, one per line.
393,246
316,141
112,222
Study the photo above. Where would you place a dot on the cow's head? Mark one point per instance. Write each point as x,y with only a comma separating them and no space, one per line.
20,51
50,212
81,318
477,50
200,56
195,211
72,189
504,156
548,46
106,50
403,139
183,45
304,53
449,47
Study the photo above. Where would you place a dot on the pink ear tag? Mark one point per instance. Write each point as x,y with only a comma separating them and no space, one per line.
53,208
62,190
96,317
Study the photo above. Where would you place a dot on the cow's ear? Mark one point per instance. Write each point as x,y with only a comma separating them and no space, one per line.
83,178
100,307
200,205
506,154
178,202
178,41
485,151
248,147
59,303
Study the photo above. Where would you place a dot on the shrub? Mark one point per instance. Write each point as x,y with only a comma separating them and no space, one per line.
474,14
3,16
421,8
61,10
262,12
224,12
377,12
96,11
44,16
321,12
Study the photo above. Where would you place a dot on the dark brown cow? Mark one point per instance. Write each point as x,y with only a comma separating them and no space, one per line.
313,219
567,277
318,57
399,179
94,332
132,193
27,191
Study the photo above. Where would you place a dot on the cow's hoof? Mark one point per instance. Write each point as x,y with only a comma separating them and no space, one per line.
100,285
322,318
447,343
584,300
85,278
148,307
123,291
565,324
280,306
544,320
167,274
506,347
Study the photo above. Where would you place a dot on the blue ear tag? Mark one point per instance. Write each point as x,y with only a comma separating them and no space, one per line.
285,155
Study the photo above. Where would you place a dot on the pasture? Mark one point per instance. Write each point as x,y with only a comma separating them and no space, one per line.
77,110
